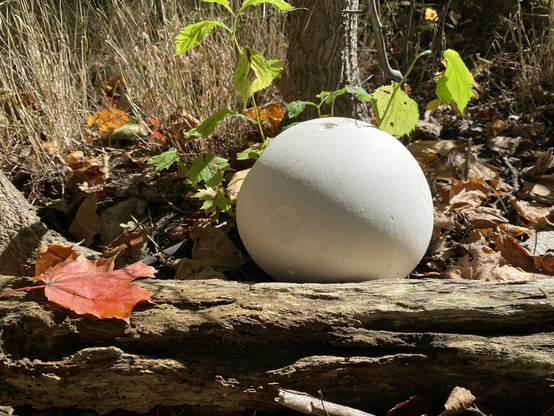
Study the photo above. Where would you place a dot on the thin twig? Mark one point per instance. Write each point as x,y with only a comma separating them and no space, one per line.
513,173
309,405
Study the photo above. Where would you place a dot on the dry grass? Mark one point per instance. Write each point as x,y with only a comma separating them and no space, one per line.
55,54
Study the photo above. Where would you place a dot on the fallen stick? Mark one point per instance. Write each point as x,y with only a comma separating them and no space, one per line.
309,405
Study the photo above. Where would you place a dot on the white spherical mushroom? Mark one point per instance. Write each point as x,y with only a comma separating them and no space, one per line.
335,200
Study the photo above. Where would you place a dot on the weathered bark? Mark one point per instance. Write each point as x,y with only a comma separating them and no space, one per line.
322,54
227,346
18,244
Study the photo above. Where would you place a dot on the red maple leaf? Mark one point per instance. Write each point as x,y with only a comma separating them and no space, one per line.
93,287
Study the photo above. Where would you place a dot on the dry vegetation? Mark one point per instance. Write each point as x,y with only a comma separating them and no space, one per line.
55,55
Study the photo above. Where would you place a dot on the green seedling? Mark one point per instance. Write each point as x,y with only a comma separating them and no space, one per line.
205,175
326,97
395,111
250,62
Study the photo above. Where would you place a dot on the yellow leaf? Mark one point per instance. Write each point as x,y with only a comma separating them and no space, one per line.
108,119
431,105
430,14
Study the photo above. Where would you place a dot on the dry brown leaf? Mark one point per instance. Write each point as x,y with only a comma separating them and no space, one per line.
482,263
77,159
50,256
112,85
498,126
235,183
511,274
472,184
193,270
286,87
516,255
51,147
129,245
86,171
458,402
473,198
212,254
180,123
541,185
87,222
505,146
455,164
441,220
483,217
541,165
429,150
478,264
533,211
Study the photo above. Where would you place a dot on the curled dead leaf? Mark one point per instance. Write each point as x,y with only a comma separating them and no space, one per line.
518,256
533,211
212,249
483,217
461,159
478,264
504,146
86,223
458,402
235,183
430,150
49,257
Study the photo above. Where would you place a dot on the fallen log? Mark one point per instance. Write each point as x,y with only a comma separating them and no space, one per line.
216,346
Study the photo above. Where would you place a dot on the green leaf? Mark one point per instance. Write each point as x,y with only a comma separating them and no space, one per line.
209,125
265,72
164,160
442,90
192,35
209,169
457,80
224,3
128,131
328,96
282,5
296,107
208,196
276,67
359,91
215,200
398,118
250,153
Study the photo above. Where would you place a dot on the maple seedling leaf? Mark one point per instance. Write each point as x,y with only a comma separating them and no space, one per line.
93,287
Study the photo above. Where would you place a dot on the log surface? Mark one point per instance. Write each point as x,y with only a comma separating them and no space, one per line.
227,346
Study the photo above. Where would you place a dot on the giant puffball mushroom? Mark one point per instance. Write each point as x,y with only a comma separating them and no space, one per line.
335,200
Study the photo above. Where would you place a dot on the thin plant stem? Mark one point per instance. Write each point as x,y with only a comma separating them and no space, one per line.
258,119
399,84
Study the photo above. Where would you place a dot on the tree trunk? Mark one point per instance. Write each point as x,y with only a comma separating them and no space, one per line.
215,346
17,243
322,54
